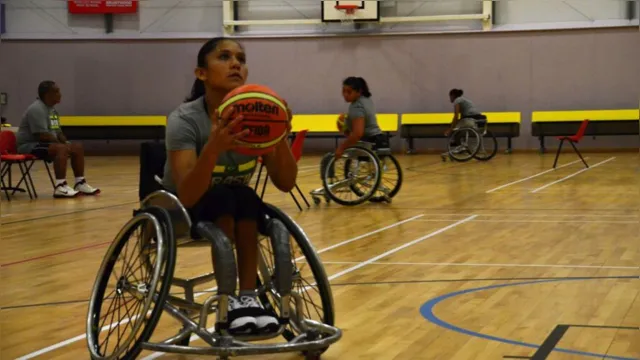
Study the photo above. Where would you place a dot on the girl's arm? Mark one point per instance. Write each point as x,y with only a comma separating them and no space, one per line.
456,116
357,131
281,166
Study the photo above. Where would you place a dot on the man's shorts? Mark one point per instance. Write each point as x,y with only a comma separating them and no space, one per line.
39,150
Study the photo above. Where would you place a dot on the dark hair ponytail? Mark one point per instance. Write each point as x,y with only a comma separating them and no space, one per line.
358,84
198,89
456,93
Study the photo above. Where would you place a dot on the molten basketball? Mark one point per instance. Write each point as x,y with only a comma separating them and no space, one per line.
340,123
264,115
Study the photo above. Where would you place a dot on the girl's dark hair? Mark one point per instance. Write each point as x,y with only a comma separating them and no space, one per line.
358,84
198,89
456,93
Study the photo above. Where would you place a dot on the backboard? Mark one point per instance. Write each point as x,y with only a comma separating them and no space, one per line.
367,11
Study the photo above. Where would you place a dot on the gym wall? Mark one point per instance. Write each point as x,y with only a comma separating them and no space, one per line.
589,68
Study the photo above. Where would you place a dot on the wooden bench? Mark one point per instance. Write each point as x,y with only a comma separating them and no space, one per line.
153,127
433,125
114,127
324,125
601,123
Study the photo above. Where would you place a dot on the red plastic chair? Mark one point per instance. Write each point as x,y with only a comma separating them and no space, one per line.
296,150
10,157
573,139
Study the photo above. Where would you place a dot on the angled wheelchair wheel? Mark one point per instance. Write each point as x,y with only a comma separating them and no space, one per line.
354,178
390,180
131,286
488,147
466,145
309,278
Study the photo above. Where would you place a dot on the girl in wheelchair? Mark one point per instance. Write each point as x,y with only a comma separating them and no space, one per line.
360,122
210,179
464,114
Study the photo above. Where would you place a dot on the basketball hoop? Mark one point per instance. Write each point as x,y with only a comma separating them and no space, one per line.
349,13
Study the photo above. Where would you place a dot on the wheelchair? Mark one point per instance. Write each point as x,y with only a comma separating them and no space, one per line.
132,288
468,143
366,172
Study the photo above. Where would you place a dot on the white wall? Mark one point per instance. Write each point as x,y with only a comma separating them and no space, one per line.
48,19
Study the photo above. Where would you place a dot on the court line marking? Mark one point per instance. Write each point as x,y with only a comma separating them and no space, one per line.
572,175
427,311
68,213
198,294
520,215
543,221
62,252
489,265
401,247
532,176
359,265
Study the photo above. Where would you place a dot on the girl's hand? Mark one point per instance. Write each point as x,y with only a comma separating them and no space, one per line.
221,136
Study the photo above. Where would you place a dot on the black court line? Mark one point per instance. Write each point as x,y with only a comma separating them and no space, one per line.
607,327
550,342
402,282
68,213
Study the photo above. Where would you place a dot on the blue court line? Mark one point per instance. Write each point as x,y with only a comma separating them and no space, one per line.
427,312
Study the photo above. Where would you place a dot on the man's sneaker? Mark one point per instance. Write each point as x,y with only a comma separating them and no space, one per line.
63,190
247,316
83,188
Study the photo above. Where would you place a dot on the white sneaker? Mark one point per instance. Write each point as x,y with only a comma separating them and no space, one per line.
247,315
85,189
63,190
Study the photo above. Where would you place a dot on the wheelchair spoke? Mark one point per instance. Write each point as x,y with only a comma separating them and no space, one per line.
305,296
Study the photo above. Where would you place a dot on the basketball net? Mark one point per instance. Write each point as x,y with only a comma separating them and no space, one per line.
349,14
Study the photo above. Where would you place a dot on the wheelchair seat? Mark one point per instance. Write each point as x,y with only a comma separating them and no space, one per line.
481,120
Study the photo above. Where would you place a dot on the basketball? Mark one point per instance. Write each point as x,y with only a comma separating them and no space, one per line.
340,123
265,116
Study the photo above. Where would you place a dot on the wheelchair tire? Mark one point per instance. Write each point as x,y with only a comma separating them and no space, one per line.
362,197
471,152
317,269
159,282
487,139
396,188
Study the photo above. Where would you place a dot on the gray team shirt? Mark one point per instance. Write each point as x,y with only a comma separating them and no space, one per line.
467,108
363,108
38,118
188,128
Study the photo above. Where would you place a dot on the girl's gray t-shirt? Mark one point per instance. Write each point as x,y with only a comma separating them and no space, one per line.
363,108
467,108
188,128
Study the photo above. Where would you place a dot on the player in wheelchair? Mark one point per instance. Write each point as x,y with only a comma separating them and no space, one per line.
362,168
469,136
204,197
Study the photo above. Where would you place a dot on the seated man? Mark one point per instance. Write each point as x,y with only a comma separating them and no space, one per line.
39,134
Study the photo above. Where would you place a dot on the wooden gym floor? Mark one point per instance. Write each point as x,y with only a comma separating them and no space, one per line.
505,259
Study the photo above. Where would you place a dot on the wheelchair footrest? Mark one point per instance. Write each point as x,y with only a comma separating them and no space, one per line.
318,337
